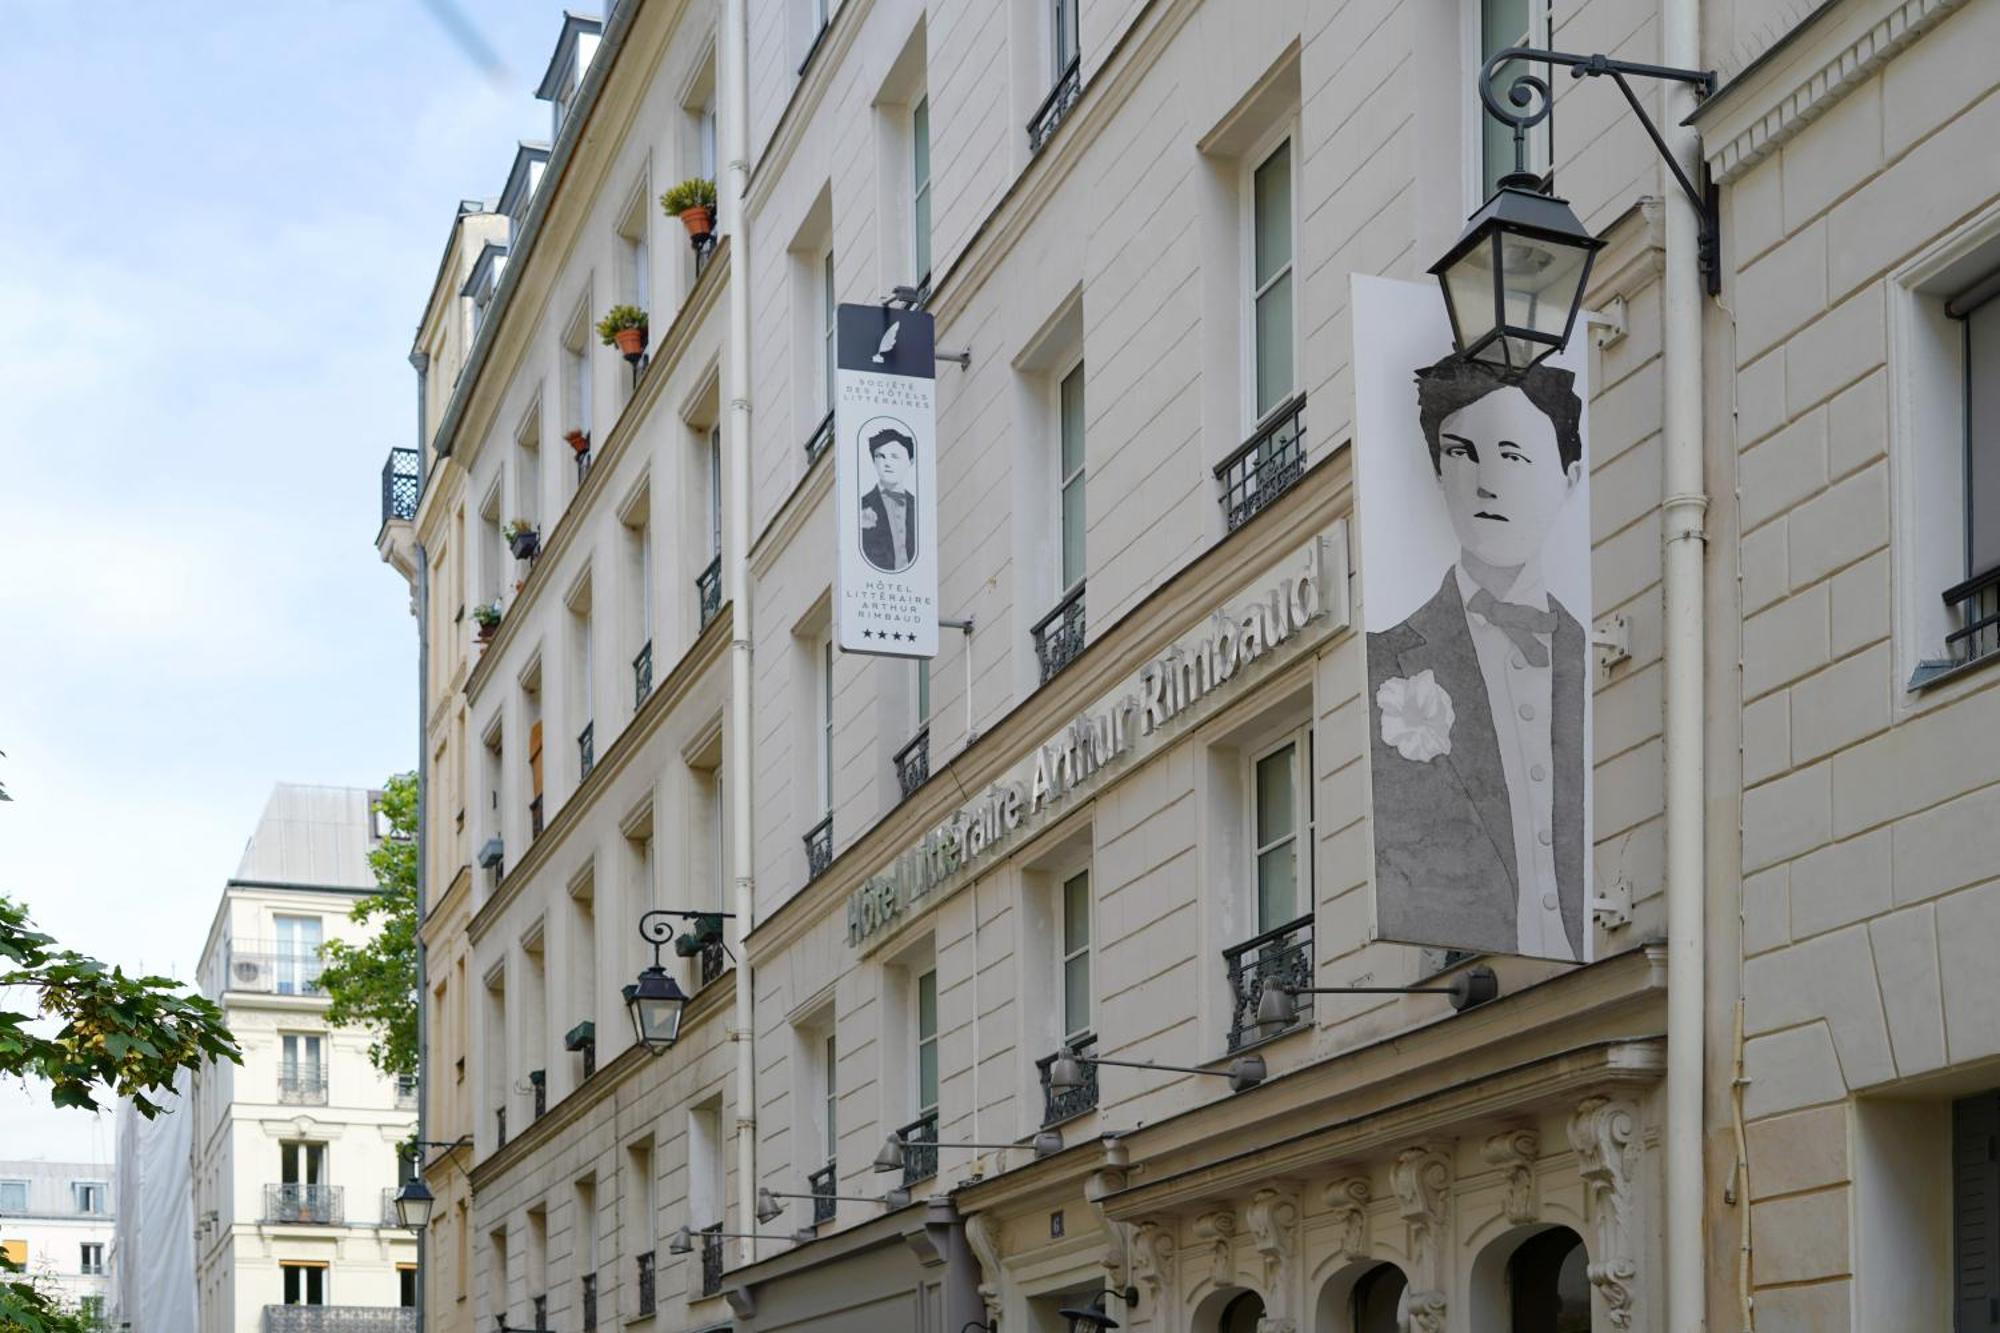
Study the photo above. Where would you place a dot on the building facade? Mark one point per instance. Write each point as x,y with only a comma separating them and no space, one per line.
298,1151
55,1223
1139,221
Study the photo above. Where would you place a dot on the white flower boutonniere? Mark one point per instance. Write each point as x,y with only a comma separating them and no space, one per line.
868,519
1416,716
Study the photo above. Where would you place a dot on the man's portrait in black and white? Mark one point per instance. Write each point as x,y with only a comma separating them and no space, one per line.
889,509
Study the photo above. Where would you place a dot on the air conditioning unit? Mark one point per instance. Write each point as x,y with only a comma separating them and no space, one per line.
246,972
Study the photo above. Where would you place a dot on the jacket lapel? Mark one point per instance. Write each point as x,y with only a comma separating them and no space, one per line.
1568,654
1445,650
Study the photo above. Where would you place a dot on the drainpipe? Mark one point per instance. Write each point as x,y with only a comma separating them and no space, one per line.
736,395
1684,504
421,363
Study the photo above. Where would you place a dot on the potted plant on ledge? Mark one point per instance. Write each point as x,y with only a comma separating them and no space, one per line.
693,202
522,539
577,441
624,327
487,616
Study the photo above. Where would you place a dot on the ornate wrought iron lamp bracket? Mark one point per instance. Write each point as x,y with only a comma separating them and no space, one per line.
656,927
1527,101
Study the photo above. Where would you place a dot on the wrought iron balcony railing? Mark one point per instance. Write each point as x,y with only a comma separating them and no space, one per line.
711,1259
538,1079
714,961
709,588
535,818
642,675
1284,956
586,750
1265,466
820,438
388,1214
1068,87
273,971
305,1205
1060,1106
538,1308
823,1184
589,1302
402,484
302,1085
913,761
920,1154
340,1319
819,848
582,1039
582,468
645,1265
406,1092
1059,634
500,1126
1977,601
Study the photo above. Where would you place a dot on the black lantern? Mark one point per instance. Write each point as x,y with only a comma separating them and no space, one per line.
1089,1319
1513,282
413,1205
656,1003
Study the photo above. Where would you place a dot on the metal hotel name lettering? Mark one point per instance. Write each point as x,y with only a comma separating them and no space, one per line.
1166,687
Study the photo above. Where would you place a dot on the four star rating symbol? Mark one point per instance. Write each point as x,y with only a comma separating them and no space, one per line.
894,635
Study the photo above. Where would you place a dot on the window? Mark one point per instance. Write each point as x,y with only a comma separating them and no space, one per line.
715,490
92,1310
927,1043
13,1196
90,1259
829,1067
823,709
1076,955
1281,821
302,1163
1502,24
829,309
300,1063
1975,1210
634,251
576,370
1271,314
923,692
1069,484
406,1286
1063,44
89,1196
920,188
705,138
14,1252
1977,633
298,959
305,1283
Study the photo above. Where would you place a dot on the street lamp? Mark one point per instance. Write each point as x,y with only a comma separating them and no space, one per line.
1092,1318
1514,280
682,1241
1045,1144
656,1001
413,1205
768,1207
1066,1070
1276,1009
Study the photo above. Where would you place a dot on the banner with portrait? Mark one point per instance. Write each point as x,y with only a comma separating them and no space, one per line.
885,482
1473,508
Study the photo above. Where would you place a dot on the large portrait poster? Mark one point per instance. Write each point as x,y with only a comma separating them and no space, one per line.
885,482
1474,518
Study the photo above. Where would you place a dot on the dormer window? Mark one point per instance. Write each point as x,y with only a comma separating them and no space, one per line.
567,67
484,281
522,180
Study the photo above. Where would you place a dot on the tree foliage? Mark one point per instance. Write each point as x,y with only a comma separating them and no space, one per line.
28,1305
375,985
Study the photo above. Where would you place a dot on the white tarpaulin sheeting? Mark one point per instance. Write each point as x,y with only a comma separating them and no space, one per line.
152,1245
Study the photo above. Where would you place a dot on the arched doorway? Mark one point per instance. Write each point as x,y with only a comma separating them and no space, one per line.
1379,1301
1548,1282
1242,1314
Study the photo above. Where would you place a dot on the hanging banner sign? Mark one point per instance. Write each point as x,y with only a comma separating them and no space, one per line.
885,482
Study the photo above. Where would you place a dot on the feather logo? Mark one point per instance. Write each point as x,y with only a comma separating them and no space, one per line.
888,343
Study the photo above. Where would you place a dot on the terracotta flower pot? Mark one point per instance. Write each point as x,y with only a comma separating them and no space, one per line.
578,441
486,632
699,220
631,342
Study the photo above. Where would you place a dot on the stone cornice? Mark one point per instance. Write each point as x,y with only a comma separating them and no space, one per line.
700,658
1115,652
694,311
1772,101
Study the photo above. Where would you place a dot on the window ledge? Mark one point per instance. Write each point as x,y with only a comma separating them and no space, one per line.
1931,674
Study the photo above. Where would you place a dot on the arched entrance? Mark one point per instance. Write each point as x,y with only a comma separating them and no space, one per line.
1532,1280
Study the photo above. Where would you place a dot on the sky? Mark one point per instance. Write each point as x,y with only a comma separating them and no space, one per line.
218,228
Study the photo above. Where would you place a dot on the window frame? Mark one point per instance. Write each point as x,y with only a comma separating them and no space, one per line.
1473,57
22,1185
1068,951
1071,369
288,1269
920,190
1284,134
1304,814
823,721
1065,37
829,321
923,1041
84,1265
829,1072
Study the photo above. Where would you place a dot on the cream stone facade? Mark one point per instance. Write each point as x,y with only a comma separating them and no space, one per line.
56,1220
1136,442
297,1151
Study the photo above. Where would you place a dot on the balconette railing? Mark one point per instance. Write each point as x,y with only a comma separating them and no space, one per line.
709,589
645,1264
1265,466
538,1079
913,761
819,848
538,1309
305,1205
500,1126
1283,956
402,485
1069,85
920,1154
589,1302
269,970
714,961
535,818
1059,634
1977,601
711,1259
339,1319
586,750
823,1184
642,675
406,1092
302,1085
1060,1106
820,438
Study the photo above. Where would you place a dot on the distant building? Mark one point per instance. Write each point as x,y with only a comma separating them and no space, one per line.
55,1221
295,1151
152,1252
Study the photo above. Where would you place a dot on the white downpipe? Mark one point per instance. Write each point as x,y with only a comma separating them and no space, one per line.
736,395
1685,503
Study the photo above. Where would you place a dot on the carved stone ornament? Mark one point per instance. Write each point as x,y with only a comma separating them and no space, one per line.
1273,1216
982,1233
1601,1133
1348,1201
1422,1180
1515,1150
1218,1231
1154,1257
